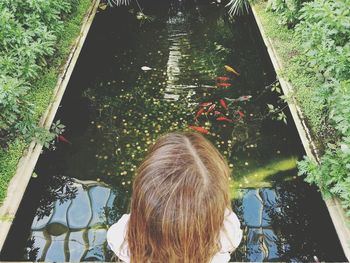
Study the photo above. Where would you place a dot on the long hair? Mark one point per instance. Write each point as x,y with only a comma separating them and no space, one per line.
179,198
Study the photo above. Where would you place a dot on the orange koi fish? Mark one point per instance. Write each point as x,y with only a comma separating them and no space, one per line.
225,85
217,113
63,139
223,78
232,70
205,104
199,129
199,113
211,108
223,104
241,114
224,119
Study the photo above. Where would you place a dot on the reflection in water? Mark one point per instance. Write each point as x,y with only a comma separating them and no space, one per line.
75,229
114,111
54,194
178,39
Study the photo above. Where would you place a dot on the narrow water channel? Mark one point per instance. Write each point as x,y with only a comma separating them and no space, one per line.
114,109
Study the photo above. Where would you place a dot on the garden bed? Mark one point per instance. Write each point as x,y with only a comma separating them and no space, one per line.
281,46
18,161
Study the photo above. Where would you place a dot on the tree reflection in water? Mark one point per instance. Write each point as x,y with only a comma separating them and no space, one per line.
72,221
61,189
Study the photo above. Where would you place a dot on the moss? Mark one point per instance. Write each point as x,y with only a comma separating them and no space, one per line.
44,87
42,92
8,164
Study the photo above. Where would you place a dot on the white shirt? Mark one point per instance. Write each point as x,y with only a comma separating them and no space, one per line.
230,237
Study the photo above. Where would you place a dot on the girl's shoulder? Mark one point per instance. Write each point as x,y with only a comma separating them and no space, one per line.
231,233
116,238
230,237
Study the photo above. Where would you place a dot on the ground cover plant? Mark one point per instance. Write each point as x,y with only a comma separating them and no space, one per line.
35,38
313,40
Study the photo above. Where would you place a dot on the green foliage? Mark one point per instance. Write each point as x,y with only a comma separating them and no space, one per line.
324,31
288,10
322,34
8,164
35,38
325,35
276,112
16,111
29,31
316,56
332,174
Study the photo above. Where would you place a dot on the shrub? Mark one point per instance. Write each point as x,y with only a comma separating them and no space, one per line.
319,69
29,31
324,34
15,111
288,10
324,31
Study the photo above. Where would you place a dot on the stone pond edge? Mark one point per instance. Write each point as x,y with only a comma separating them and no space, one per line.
26,164
336,211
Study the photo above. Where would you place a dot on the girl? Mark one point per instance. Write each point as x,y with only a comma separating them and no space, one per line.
180,206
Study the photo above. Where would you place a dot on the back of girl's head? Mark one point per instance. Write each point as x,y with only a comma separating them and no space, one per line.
178,203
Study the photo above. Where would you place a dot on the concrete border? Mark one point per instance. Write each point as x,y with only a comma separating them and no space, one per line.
336,211
26,164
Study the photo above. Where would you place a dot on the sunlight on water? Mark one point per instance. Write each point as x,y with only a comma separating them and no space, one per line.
260,177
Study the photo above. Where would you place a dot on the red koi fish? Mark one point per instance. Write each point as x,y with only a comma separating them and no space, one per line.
223,78
241,114
232,70
212,107
205,104
217,113
223,104
199,113
225,85
224,119
63,139
199,129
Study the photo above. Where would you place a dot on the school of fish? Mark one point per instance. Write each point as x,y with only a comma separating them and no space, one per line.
207,107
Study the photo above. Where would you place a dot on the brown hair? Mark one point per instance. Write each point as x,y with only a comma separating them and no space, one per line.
178,203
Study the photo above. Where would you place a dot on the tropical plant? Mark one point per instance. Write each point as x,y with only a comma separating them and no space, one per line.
238,7
118,2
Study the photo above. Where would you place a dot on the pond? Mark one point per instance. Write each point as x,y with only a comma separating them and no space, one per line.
142,76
